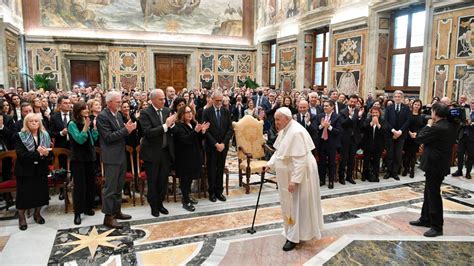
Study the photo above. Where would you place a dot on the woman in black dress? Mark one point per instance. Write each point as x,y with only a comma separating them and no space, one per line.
188,136
373,144
32,145
417,122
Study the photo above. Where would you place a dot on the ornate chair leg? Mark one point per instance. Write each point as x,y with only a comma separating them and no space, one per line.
247,186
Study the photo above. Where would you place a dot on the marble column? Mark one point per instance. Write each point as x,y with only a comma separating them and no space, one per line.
300,60
425,85
3,57
258,64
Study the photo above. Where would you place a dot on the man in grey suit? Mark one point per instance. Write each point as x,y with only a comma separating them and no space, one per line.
112,133
157,150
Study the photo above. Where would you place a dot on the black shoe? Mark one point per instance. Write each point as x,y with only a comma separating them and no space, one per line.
405,172
468,176
396,177
412,173
350,180
163,210
61,196
433,233
155,212
193,201
39,220
23,227
386,176
212,198
342,181
331,185
322,184
90,212
289,245
189,207
419,223
457,173
221,197
77,219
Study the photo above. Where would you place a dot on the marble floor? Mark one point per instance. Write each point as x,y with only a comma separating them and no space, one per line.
365,224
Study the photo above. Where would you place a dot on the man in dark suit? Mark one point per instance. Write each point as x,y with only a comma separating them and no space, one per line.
351,119
157,149
338,106
112,133
217,144
58,123
25,109
314,107
238,109
261,101
53,102
397,121
466,144
308,121
438,137
170,96
329,125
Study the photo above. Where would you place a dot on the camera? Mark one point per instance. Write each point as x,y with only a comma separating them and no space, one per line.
457,114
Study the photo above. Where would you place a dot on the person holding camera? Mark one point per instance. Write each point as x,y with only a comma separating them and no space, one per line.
438,137
466,144
82,134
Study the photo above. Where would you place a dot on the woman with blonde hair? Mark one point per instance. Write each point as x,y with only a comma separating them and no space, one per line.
32,146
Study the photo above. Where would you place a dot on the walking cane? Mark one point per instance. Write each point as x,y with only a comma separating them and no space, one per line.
252,229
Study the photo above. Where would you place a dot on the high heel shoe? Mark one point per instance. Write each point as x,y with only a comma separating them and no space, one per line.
39,220
23,227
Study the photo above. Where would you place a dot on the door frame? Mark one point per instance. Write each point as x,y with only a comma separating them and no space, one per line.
103,59
177,55
191,64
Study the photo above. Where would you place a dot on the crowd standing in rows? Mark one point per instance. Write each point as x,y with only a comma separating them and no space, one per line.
180,131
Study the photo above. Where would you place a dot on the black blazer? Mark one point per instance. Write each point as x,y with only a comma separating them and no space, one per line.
7,133
334,135
319,110
235,112
152,129
55,127
216,134
29,163
438,141
373,141
351,127
188,151
312,128
402,123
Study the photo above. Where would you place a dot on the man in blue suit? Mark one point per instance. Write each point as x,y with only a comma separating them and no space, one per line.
261,101
397,121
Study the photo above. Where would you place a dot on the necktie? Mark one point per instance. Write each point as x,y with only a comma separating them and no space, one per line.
218,116
398,107
165,140
65,119
259,101
325,130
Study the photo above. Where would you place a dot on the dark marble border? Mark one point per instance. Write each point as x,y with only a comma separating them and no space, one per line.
453,7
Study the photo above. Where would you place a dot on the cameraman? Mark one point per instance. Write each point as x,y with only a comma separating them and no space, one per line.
466,142
437,137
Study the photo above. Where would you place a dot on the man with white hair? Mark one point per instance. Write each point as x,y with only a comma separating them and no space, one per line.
112,133
298,180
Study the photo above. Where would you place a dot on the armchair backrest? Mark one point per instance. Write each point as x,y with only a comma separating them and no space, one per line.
249,137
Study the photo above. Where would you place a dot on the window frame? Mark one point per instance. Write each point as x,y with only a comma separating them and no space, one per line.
407,51
270,64
324,59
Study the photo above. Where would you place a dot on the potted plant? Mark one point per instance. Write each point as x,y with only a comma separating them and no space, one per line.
248,83
44,80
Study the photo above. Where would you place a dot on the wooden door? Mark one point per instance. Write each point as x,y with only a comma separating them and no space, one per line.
170,71
87,72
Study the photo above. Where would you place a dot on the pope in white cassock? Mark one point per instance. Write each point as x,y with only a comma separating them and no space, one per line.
298,180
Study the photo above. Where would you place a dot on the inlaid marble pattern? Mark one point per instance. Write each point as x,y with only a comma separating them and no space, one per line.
405,253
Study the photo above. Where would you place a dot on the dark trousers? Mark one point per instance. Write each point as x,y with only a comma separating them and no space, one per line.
215,170
348,152
84,186
327,158
185,186
114,175
157,179
432,210
465,147
372,163
394,154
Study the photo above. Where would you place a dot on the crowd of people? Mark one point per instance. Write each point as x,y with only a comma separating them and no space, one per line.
180,131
